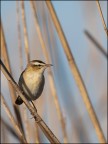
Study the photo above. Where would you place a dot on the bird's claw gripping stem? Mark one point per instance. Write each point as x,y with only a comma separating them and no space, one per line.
37,119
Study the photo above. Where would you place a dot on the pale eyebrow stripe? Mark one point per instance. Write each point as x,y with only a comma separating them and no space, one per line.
37,63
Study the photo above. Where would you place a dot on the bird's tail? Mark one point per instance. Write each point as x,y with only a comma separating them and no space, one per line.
19,101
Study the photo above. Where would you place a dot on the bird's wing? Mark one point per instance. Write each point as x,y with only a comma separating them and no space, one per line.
21,80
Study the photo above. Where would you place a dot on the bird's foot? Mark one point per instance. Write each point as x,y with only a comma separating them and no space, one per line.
37,119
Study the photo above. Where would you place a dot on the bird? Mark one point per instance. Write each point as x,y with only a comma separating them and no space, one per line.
32,81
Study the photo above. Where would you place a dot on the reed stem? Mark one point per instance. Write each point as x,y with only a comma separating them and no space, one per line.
102,17
8,128
27,53
19,36
7,63
96,43
50,76
52,138
15,125
76,73
25,32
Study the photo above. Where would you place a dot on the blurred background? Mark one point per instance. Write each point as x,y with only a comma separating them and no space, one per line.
78,19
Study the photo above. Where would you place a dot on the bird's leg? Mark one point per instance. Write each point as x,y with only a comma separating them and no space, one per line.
35,117
33,106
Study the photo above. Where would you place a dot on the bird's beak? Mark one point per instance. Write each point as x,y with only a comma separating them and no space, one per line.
48,65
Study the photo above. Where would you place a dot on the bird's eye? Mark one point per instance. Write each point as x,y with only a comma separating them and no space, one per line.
39,65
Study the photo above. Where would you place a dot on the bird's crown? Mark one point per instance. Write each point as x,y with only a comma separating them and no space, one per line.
37,63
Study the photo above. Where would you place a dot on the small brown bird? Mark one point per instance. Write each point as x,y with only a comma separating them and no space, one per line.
32,80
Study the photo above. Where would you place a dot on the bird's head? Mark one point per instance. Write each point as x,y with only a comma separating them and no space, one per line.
38,65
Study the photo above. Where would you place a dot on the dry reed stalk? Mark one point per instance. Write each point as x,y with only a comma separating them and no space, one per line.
8,128
76,73
102,17
75,128
25,32
52,138
19,36
50,76
28,60
96,43
4,136
26,123
37,135
21,67
14,123
7,63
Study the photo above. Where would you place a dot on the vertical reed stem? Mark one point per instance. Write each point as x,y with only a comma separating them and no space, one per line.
37,134
19,37
52,138
96,43
102,17
25,32
50,76
28,60
76,73
15,125
7,62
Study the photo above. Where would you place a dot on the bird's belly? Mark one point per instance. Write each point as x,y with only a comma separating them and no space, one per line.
33,87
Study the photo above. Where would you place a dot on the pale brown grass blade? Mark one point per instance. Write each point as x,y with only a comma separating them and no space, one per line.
27,53
76,74
102,17
14,123
52,138
50,76
19,36
25,32
7,63
96,43
9,128
37,134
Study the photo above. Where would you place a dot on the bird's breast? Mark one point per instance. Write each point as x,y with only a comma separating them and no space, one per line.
33,85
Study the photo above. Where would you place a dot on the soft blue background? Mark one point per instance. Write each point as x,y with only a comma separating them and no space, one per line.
75,17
